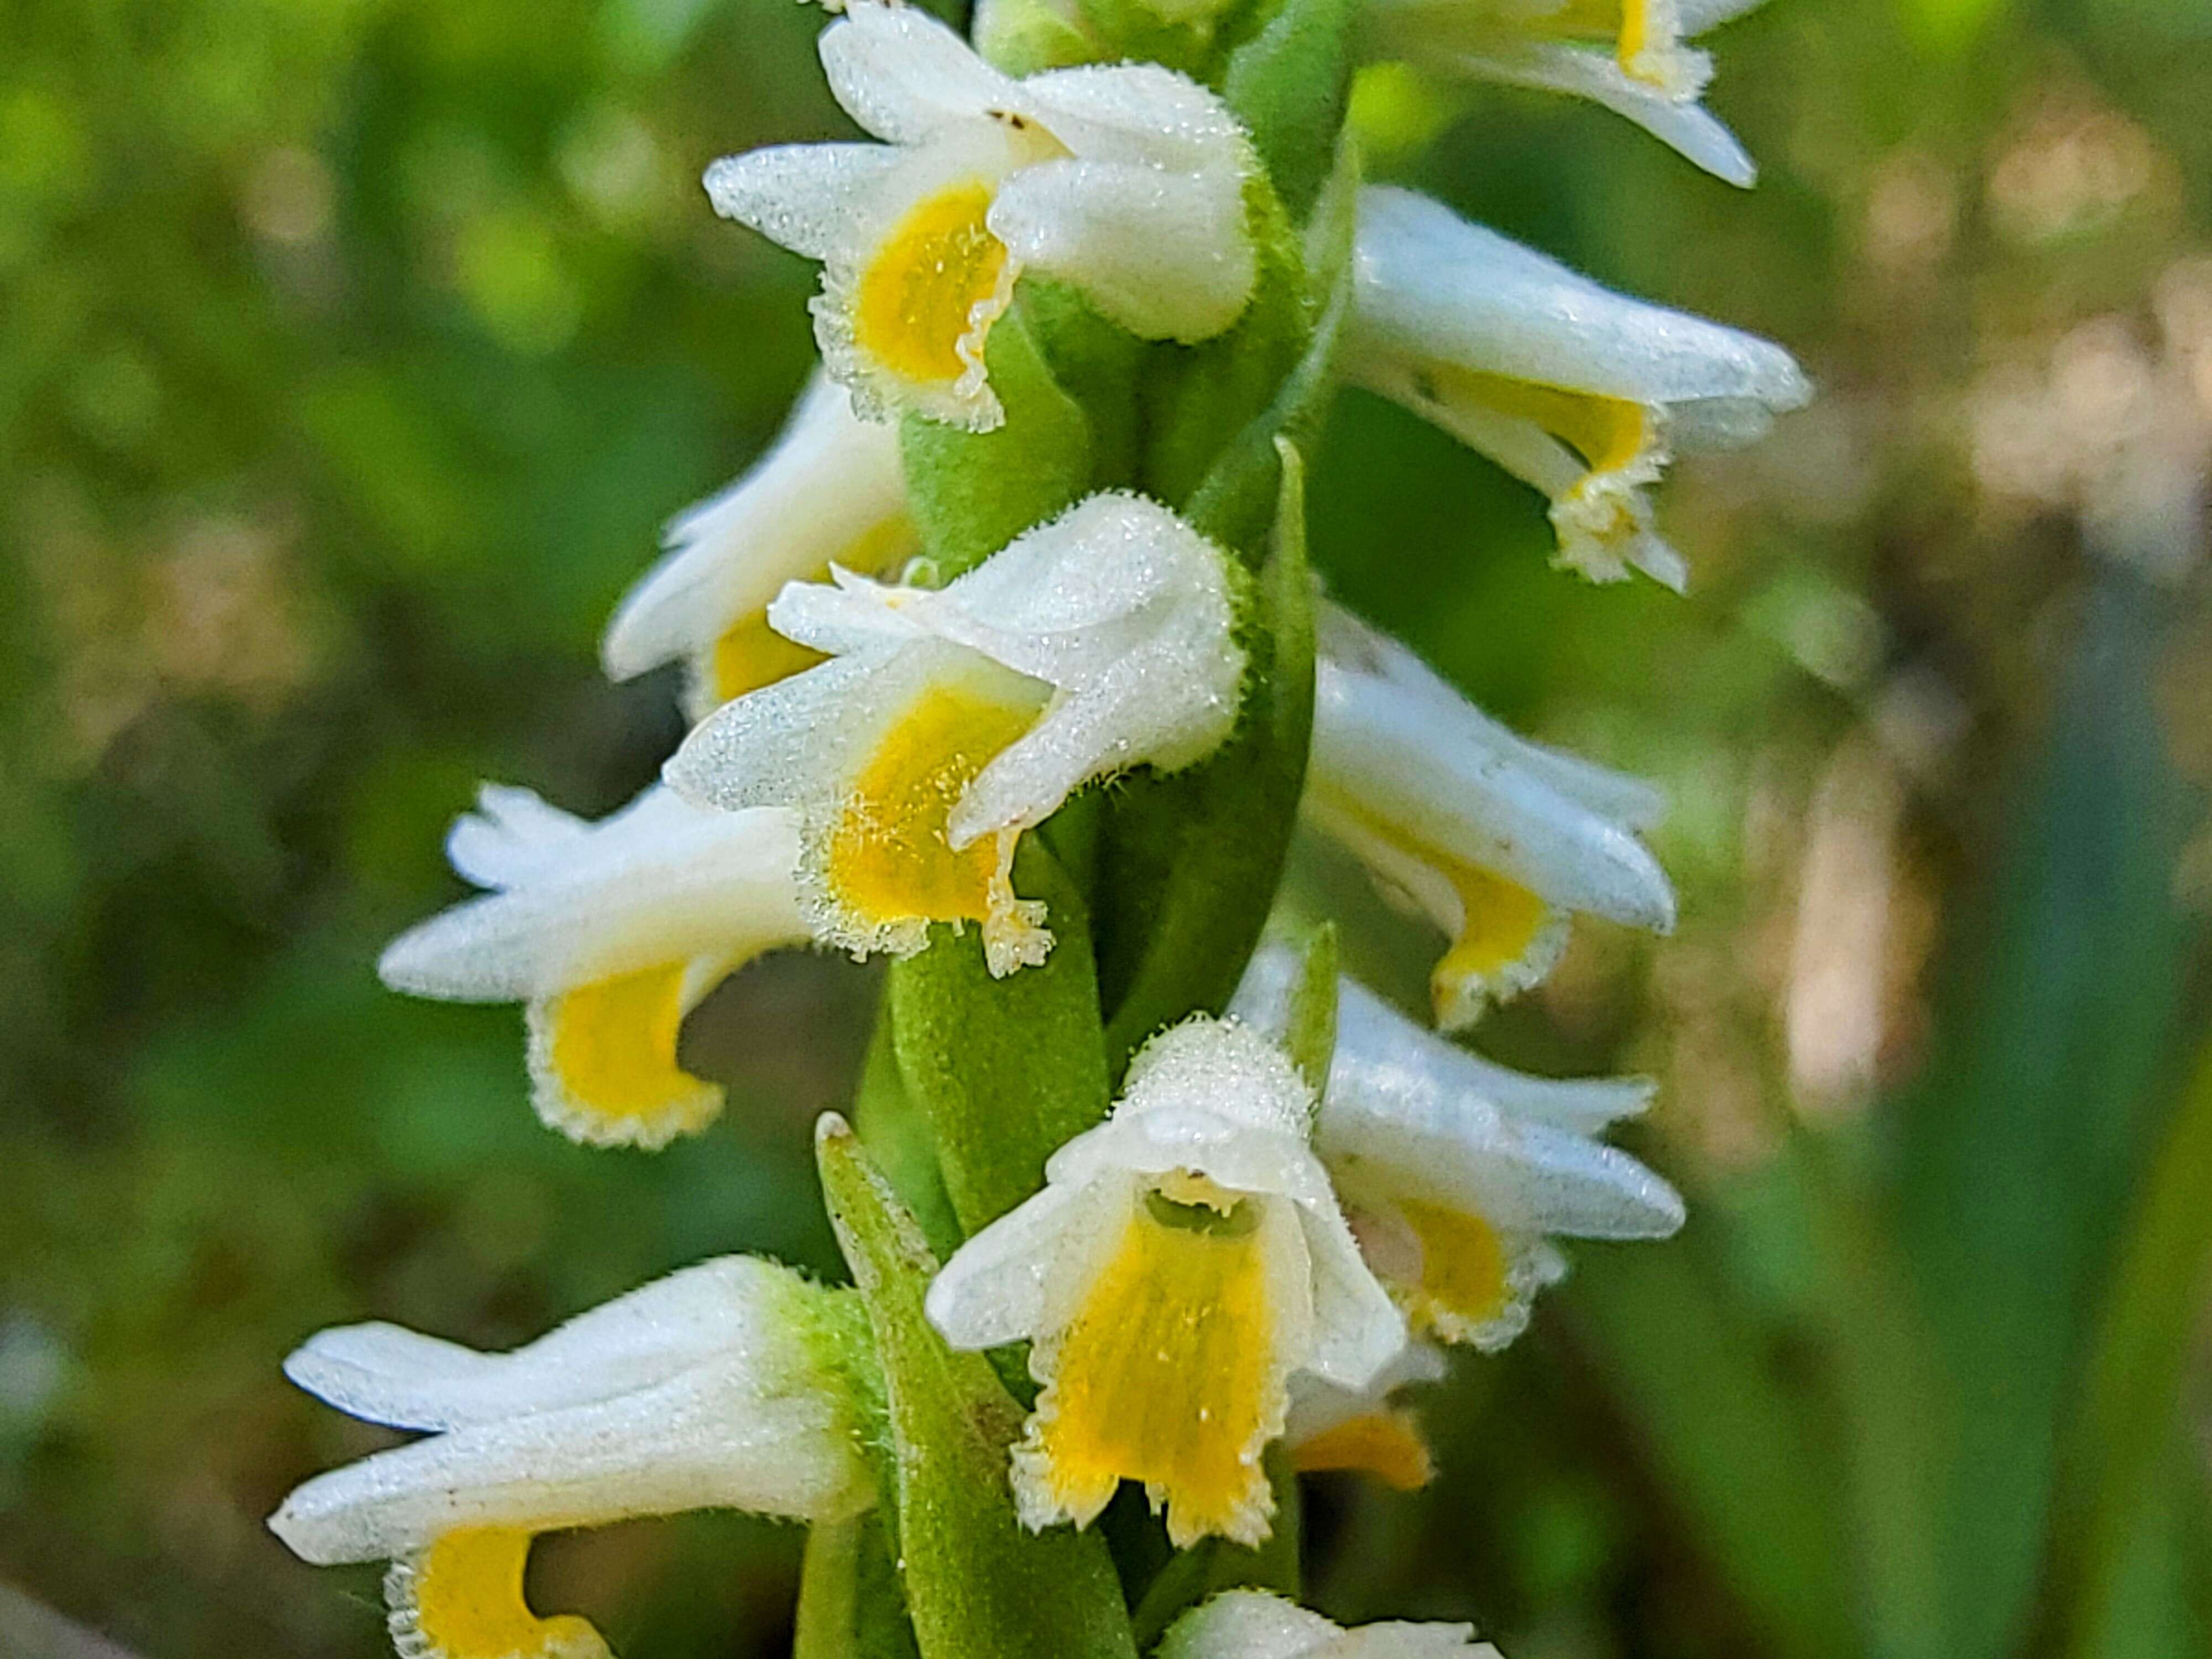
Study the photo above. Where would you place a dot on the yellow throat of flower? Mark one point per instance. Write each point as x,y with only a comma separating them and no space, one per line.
1464,1280
750,654
1166,1374
889,859
462,1599
604,1055
1611,435
933,287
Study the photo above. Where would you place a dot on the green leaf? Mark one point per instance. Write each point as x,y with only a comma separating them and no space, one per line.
978,1585
2127,1422
973,492
1729,1448
850,1605
1007,1069
1215,1565
1289,84
1198,856
2020,1142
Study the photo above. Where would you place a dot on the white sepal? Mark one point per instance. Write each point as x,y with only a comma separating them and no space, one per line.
1258,1624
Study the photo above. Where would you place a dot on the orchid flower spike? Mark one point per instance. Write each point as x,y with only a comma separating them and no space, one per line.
1126,181
1366,1431
1247,1624
1573,388
829,491
1456,1171
1629,56
1497,839
946,722
610,933
725,1385
1184,1260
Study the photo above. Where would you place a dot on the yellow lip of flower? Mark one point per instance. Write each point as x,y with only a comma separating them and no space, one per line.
1185,1260
889,866
461,1597
610,934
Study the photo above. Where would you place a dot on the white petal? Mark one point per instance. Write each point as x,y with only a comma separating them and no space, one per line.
1357,1329
1432,286
1260,1625
795,741
1317,1406
717,1436
1683,127
513,837
812,198
830,481
1372,1037
1696,16
1139,113
993,1289
663,881
1163,254
386,1374
905,76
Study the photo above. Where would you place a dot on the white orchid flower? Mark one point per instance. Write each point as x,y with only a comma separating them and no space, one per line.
1573,388
1247,1624
946,722
1126,181
722,1386
828,491
1366,1431
1456,1172
1496,839
1628,56
610,933
1185,1259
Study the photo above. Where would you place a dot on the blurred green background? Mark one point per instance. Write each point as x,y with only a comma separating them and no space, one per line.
351,352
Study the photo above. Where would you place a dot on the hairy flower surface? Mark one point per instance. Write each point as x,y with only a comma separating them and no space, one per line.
948,721
1184,1260
1570,387
1454,1172
1495,838
610,933
828,492
1627,55
1258,1625
1125,180
717,1387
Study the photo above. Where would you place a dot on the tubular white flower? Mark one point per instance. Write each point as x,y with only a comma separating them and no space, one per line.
1247,1624
1366,1431
1184,1259
1127,181
717,1386
828,491
1629,56
947,722
1570,387
610,933
1497,839
1455,1171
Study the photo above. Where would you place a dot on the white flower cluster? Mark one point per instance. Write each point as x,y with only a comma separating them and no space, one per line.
1239,1255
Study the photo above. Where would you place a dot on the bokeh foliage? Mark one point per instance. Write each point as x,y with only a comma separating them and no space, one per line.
351,352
